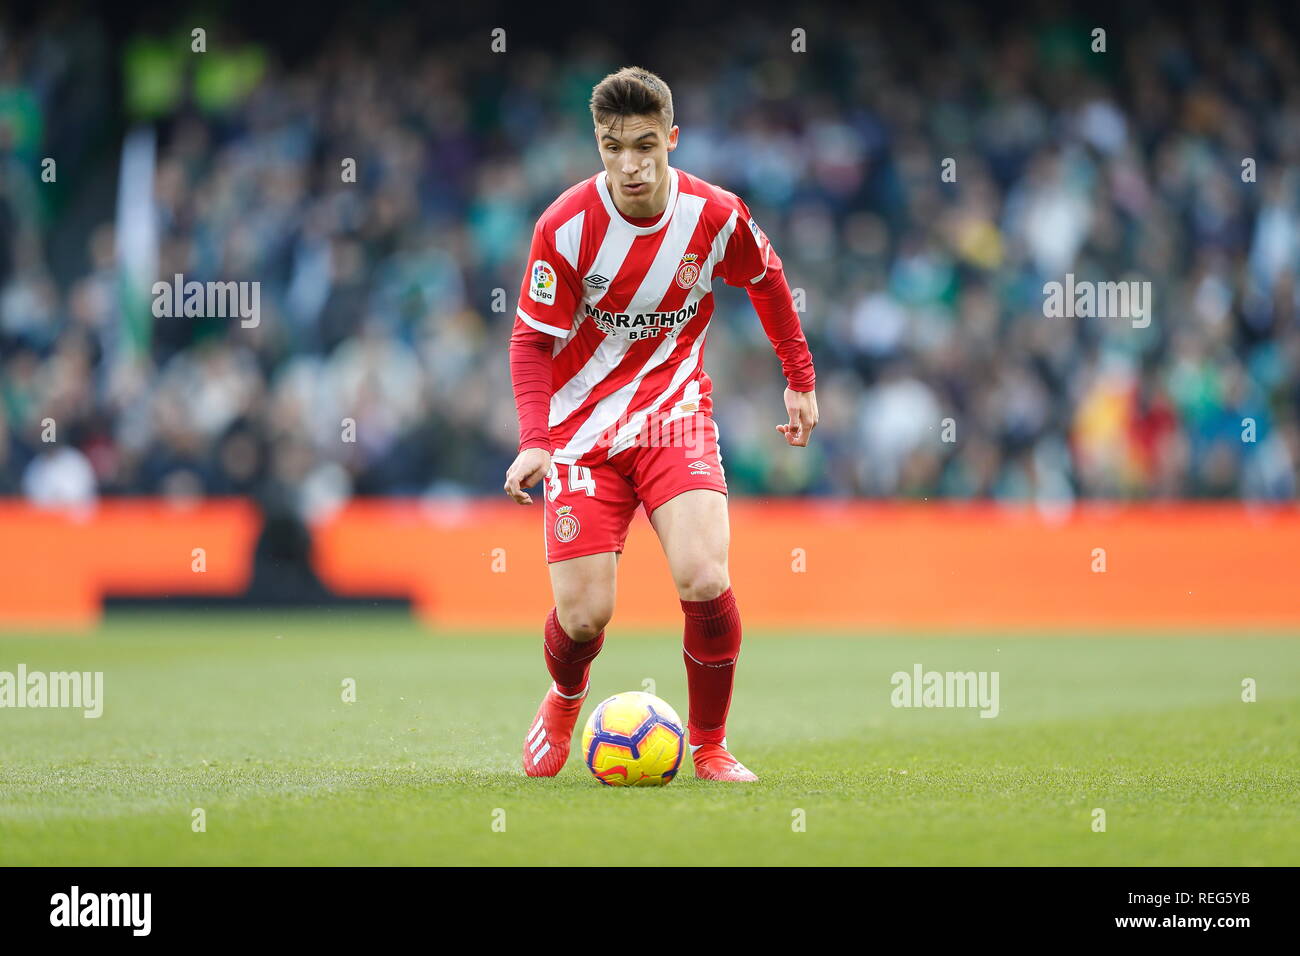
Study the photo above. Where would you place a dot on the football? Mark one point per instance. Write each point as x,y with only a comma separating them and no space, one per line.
633,740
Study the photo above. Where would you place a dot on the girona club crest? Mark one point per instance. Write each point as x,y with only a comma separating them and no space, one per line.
566,524
688,271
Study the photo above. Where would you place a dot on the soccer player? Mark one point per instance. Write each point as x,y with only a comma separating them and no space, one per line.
606,360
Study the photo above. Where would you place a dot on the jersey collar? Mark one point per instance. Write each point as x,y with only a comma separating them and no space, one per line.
615,216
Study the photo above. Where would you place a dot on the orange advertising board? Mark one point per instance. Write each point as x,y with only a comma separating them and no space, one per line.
794,564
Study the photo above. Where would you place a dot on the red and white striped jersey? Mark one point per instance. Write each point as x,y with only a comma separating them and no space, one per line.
630,307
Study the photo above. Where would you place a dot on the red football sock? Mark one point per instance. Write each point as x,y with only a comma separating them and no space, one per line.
569,661
711,644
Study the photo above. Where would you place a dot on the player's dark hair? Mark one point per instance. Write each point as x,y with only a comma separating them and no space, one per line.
631,91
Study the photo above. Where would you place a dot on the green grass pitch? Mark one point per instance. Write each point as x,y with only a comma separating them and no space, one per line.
242,715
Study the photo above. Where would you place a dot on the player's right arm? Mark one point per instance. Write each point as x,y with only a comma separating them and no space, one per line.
547,300
530,466
530,373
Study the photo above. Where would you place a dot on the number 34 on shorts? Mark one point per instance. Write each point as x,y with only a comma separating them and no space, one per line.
579,480
589,509
577,521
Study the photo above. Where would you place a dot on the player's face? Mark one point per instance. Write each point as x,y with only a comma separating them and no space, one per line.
635,153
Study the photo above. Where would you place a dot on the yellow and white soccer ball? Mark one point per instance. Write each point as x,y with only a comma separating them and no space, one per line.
633,740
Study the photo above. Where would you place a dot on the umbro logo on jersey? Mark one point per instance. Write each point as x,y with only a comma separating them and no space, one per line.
596,280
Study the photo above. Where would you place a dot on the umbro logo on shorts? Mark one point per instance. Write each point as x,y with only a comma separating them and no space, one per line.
699,467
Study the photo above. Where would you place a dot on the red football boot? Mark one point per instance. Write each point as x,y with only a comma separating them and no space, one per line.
546,747
714,762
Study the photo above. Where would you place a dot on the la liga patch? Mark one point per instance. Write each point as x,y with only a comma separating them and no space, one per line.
541,283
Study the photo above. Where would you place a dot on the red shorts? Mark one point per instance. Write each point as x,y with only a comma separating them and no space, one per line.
589,510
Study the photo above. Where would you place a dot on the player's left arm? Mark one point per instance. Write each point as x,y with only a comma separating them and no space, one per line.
750,261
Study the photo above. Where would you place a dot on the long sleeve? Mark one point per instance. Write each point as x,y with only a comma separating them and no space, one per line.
531,377
548,297
751,263
775,307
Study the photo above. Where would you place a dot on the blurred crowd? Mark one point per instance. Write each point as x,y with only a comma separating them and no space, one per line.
379,365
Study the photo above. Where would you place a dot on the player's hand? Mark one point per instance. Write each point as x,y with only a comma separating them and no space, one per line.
802,408
530,467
